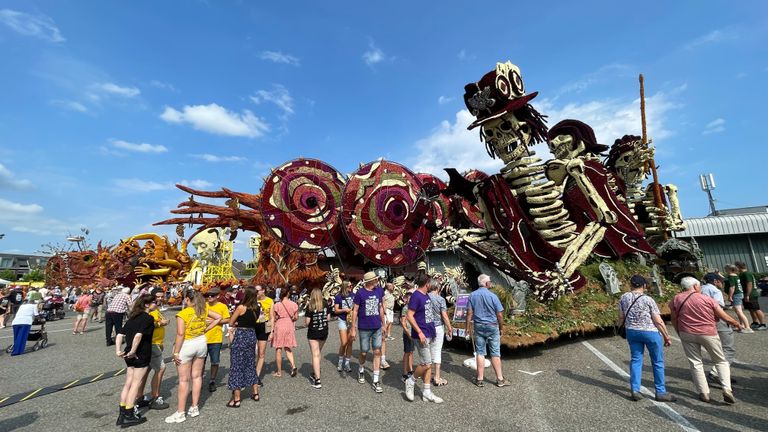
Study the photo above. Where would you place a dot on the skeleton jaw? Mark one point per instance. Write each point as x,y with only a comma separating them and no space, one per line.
508,136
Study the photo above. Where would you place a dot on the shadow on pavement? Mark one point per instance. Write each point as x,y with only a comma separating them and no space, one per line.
18,422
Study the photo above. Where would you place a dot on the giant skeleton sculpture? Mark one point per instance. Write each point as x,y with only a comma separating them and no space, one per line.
534,222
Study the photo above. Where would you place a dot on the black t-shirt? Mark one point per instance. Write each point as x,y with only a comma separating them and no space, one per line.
318,322
249,318
144,324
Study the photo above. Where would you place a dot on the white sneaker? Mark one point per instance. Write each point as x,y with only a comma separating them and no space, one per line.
747,330
431,397
193,411
339,367
176,417
409,386
385,365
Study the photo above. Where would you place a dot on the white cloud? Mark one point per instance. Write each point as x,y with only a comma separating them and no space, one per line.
451,145
279,96
374,55
213,158
216,119
197,184
130,185
714,36
39,26
9,181
70,105
116,90
715,126
614,118
442,100
462,55
9,210
138,185
162,85
280,57
139,148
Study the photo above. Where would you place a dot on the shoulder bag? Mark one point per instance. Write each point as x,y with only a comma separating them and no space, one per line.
622,331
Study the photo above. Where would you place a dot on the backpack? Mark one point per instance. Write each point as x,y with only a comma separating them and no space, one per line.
82,303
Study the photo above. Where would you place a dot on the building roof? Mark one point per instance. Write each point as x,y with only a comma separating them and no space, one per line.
725,225
743,210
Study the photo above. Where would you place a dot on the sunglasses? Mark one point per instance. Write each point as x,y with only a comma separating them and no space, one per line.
209,295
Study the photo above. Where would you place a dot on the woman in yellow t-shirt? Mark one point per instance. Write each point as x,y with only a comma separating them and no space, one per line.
189,351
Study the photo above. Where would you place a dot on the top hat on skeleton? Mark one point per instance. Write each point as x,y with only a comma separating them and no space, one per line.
497,93
580,131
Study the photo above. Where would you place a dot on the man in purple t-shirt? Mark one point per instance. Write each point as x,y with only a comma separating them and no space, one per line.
423,334
368,319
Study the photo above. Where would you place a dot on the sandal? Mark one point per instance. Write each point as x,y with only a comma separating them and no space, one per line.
256,397
233,403
277,374
294,371
478,382
440,383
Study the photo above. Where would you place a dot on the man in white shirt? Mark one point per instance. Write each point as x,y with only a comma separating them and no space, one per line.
713,284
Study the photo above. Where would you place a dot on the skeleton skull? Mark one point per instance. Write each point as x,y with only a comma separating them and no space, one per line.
564,148
507,136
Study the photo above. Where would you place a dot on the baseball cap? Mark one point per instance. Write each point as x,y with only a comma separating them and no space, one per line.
637,281
711,277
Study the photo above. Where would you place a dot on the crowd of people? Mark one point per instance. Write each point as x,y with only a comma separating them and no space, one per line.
699,318
250,317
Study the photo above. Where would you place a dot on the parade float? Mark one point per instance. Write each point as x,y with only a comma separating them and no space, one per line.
557,236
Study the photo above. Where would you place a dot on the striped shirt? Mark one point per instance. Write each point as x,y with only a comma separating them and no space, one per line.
120,303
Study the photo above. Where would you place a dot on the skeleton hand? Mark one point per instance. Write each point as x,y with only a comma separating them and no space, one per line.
450,237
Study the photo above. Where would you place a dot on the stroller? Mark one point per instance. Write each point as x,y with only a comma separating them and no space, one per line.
39,336
53,308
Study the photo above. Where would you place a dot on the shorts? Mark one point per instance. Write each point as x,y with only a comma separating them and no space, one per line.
436,346
365,337
487,338
82,315
389,316
137,362
214,352
407,343
318,335
193,348
343,324
738,299
425,353
752,304
156,363
261,332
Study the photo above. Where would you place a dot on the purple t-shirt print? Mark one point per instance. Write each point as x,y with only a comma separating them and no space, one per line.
420,304
344,303
368,317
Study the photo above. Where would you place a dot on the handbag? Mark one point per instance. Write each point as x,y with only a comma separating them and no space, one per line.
622,331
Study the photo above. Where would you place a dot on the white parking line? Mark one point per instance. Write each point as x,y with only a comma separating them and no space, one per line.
671,413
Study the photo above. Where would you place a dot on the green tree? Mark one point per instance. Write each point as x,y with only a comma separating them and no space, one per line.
8,275
35,275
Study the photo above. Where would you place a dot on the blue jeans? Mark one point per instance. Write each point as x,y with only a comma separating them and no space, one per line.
20,335
368,338
487,337
639,340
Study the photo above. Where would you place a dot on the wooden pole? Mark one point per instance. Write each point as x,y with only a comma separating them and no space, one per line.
656,186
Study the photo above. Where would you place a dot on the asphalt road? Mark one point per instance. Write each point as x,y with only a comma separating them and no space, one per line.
571,385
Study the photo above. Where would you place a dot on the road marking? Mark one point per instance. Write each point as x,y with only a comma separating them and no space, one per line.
530,373
4,399
671,413
97,377
119,372
30,395
66,386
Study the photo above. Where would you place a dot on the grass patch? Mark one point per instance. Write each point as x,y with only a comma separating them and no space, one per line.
589,310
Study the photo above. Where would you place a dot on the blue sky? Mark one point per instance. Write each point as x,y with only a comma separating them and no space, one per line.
105,105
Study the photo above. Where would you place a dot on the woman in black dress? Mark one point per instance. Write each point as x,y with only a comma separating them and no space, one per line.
137,334
316,317
242,369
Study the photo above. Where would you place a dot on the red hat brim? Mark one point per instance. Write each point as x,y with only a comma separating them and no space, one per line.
510,106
